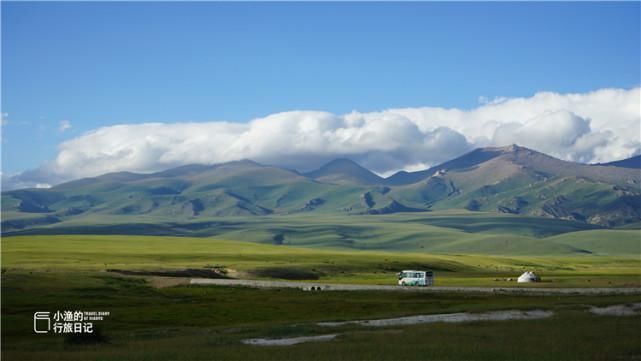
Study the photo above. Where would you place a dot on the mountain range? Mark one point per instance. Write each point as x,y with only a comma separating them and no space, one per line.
511,179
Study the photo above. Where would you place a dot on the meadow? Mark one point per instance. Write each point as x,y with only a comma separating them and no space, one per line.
201,323
264,261
178,321
443,232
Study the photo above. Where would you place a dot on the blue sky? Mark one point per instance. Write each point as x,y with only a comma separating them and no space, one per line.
100,64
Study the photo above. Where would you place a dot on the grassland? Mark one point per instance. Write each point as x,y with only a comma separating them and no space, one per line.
252,260
49,273
198,323
434,232
571,335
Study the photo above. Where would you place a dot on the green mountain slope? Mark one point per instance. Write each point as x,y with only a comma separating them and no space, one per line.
511,180
231,189
518,180
345,171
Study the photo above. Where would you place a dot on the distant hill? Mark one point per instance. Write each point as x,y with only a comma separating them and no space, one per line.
345,171
633,162
518,180
470,159
512,180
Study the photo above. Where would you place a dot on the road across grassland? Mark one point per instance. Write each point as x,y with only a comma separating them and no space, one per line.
312,286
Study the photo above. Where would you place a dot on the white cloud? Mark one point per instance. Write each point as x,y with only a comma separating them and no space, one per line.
554,132
64,125
598,126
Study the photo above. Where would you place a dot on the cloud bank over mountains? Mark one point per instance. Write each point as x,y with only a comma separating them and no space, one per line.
598,126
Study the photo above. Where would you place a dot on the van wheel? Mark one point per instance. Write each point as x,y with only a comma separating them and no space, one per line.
403,284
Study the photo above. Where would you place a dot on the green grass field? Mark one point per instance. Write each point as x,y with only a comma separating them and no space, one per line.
250,260
196,322
444,232
49,273
571,335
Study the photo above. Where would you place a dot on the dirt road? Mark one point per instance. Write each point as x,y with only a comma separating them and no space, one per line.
312,286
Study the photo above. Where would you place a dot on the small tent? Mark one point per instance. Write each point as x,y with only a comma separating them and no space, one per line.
529,277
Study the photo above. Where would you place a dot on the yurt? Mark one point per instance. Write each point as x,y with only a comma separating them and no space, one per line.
529,276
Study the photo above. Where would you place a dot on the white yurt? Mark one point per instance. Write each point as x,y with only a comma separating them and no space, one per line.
529,276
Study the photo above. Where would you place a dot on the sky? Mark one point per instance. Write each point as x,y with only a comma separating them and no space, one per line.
90,87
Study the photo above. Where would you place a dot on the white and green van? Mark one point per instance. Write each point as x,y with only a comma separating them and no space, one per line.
416,278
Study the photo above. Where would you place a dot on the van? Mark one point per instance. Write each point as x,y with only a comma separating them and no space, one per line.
416,278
